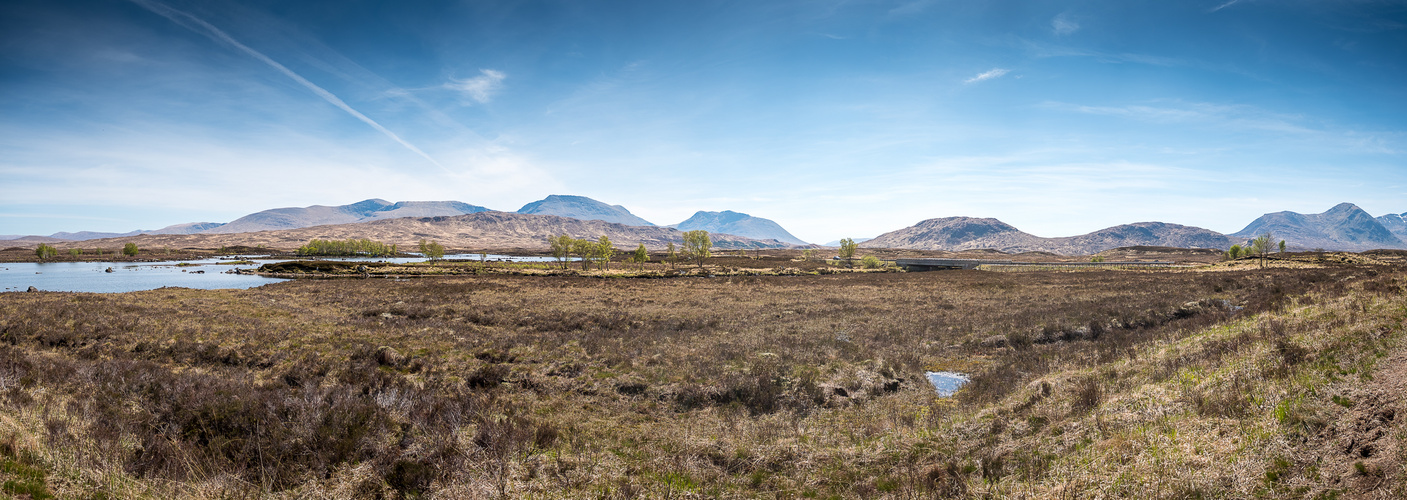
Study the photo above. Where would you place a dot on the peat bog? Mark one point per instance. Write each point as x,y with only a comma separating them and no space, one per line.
1180,384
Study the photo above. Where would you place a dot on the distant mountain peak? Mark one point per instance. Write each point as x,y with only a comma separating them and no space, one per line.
321,215
582,208
1343,227
738,224
1395,224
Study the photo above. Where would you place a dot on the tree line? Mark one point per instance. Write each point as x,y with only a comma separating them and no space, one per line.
1258,247
350,247
697,245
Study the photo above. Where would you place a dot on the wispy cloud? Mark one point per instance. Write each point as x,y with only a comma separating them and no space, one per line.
210,31
988,75
1062,25
1224,5
1232,116
480,88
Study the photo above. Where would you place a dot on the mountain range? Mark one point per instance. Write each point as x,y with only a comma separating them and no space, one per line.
575,207
362,211
969,233
479,230
1343,227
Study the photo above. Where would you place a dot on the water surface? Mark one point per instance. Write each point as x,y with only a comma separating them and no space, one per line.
946,383
126,276
206,274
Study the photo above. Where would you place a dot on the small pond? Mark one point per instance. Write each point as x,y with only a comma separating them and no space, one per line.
946,383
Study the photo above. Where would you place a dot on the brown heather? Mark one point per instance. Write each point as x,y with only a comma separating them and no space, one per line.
1280,383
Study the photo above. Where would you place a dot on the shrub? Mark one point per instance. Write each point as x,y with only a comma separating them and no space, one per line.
349,247
697,245
870,262
45,251
432,250
130,249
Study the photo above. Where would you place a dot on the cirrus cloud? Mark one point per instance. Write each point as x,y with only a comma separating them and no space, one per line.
480,88
988,75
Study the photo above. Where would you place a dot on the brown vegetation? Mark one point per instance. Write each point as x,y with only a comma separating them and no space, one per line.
1282,382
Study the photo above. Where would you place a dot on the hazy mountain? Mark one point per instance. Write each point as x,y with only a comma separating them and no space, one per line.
1344,227
968,233
481,230
1150,234
27,240
1396,224
836,243
85,235
581,207
91,235
186,228
730,222
319,215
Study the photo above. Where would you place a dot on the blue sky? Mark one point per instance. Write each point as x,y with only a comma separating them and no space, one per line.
832,118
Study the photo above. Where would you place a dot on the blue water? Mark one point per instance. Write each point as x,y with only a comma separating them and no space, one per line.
946,383
126,276
129,276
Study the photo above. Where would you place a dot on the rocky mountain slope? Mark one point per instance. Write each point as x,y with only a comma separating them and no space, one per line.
969,233
739,224
1396,224
362,211
480,230
955,234
581,207
1344,227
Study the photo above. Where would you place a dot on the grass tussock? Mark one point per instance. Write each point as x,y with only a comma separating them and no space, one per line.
1282,382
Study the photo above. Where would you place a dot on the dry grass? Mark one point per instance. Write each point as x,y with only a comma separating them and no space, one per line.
1177,384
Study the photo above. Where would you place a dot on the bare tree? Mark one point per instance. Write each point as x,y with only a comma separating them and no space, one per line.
1261,246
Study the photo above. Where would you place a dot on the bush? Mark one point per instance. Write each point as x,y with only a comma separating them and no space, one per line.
45,251
349,247
432,250
870,262
130,249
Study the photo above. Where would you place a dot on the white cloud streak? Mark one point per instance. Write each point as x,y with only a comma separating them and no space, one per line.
480,88
1224,5
210,31
988,75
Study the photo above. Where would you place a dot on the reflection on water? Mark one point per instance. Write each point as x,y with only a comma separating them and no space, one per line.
946,383
203,274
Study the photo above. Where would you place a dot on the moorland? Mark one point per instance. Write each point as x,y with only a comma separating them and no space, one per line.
1223,380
